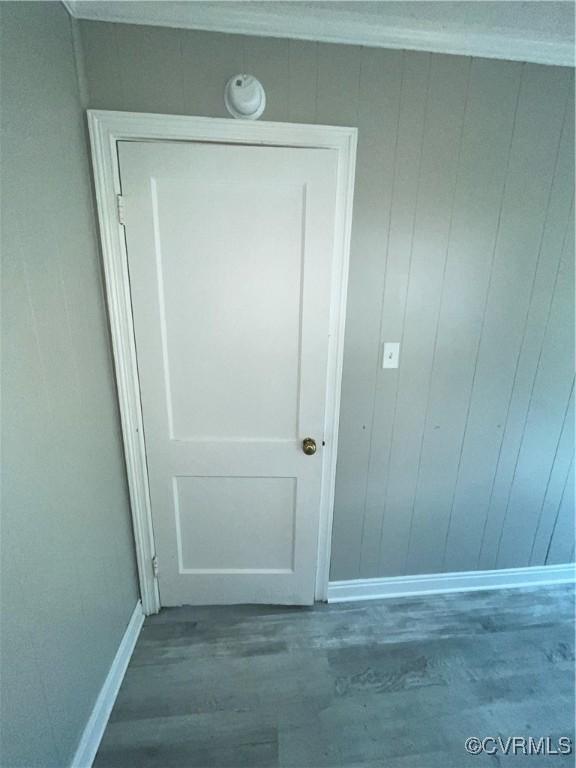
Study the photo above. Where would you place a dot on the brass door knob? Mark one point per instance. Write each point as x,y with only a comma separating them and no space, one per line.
309,446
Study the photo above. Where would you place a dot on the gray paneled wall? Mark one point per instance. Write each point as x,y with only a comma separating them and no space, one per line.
68,576
462,250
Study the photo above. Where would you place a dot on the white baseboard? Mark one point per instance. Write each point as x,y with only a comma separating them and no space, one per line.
96,725
436,583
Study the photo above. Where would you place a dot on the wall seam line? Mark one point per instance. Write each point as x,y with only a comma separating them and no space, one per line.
558,512
558,442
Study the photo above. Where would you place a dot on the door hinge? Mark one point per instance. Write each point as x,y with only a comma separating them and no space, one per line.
120,207
155,565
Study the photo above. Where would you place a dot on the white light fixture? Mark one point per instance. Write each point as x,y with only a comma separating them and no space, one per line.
244,97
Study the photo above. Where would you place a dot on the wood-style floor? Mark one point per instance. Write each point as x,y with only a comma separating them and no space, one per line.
396,683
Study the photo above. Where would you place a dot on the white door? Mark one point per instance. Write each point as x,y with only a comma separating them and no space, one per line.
230,252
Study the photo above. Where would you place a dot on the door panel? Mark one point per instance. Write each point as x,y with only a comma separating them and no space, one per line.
206,506
230,256
227,326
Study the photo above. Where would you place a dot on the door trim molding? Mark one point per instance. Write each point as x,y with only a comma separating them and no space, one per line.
106,129
439,583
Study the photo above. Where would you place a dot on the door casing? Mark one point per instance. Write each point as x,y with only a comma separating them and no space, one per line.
106,129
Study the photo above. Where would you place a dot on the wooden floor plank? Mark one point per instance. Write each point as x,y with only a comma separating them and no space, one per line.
399,682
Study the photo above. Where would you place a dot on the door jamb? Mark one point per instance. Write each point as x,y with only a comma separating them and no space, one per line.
106,129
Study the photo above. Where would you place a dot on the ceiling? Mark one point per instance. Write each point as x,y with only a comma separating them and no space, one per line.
538,31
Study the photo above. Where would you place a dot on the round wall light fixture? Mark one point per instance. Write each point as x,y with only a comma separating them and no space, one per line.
244,97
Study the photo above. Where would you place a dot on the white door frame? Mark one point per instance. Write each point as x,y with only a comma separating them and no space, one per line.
106,129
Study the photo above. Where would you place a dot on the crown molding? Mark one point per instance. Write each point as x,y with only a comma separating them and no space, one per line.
327,22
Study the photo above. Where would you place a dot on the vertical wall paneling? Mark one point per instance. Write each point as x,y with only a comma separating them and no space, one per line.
545,418
302,77
339,70
205,69
530,169
559,220
268,59
380,141
561,474
467,248
481,175
385,526
449,96
459,458
155,79
544,197
377,120
561,547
